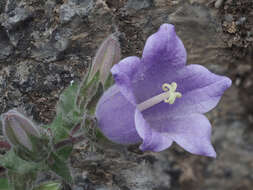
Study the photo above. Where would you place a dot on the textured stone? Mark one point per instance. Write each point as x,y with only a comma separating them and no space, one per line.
139,4
75,8
16,17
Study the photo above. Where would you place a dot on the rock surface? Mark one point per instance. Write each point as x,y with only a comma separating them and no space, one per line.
46,44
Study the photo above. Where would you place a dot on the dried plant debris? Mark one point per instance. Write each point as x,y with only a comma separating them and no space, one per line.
237,22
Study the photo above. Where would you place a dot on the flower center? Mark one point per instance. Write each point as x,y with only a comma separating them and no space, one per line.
168,96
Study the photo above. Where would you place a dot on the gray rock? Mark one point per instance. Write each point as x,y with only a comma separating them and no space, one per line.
84,7
13,23
52,50
49,7
67,12
10,5
5,47
16,17
2,6
6,51
75,8
218,3
139,4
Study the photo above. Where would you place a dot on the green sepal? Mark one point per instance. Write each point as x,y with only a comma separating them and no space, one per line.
41,148
60,167
109,82
87,91
48,186
91,106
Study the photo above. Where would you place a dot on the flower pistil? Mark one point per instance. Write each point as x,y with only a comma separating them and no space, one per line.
168,96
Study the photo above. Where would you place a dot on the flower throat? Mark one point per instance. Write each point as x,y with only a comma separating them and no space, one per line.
168,96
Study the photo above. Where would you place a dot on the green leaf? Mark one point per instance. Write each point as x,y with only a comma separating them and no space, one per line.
60,167
64,152
67,100
58,130
13,163
21,174
67,114
49,186
18,181
4,184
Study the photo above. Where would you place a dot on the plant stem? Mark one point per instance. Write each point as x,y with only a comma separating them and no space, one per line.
71,140
75,129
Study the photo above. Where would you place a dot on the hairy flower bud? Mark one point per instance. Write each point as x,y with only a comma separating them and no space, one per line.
24,136
108,54
16,129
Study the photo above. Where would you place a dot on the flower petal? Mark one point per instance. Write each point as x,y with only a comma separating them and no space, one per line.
115,115
201,91
124,72
191,132
164,48
153,139
138,79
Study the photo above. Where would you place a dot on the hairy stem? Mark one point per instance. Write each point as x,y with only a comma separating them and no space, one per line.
69,141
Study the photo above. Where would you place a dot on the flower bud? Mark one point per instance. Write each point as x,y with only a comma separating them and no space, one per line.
108,54
16,129
24,136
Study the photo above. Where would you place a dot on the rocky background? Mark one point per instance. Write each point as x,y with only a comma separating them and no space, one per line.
45,44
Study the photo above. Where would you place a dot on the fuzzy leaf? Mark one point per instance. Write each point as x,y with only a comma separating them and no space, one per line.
64,152
12,162
60,167
57,128
19,181
67,99
21,174
67,114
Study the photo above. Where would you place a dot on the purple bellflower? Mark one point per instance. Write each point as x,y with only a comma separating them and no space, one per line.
157,99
